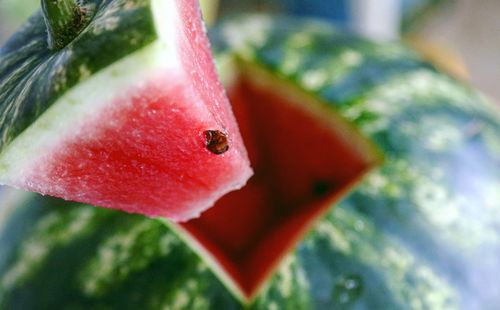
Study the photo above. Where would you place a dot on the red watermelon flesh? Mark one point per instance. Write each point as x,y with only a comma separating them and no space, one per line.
152,134
302,166
150,159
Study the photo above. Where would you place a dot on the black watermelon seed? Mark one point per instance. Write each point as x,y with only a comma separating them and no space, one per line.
216,141
321,188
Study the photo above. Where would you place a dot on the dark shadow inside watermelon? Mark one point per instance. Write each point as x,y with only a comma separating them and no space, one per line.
302,166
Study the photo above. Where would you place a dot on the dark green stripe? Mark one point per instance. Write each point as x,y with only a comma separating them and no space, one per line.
423,228
32,77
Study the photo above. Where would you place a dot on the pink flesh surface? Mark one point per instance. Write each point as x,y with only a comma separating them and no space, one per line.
302,167
146,152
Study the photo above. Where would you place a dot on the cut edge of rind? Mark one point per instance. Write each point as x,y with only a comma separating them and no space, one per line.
72,109
209,259
262,77
230,70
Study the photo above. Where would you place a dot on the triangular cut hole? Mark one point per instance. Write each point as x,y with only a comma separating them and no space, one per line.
305,159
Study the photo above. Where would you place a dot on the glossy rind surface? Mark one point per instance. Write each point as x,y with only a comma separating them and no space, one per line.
420,232
116,117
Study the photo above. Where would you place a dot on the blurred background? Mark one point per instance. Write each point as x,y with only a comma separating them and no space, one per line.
460,35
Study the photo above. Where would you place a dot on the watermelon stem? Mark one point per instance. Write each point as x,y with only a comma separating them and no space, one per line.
65,19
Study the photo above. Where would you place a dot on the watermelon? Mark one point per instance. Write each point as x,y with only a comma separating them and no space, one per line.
57,254
417,230
116,103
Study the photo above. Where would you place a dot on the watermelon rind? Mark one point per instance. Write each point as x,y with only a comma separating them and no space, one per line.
33,78
75,107
57,93
419,232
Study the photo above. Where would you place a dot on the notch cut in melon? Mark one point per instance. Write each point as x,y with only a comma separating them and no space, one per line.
305,159
150,133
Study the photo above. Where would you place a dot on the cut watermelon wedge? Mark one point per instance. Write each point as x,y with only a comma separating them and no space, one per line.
305,159
127,114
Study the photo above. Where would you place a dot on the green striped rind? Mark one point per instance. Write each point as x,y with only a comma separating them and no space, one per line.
32,77
76,256
420,232
437,191
102,258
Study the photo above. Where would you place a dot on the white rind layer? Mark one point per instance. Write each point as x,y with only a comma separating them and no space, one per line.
31,160
167,22
67,116
210,260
